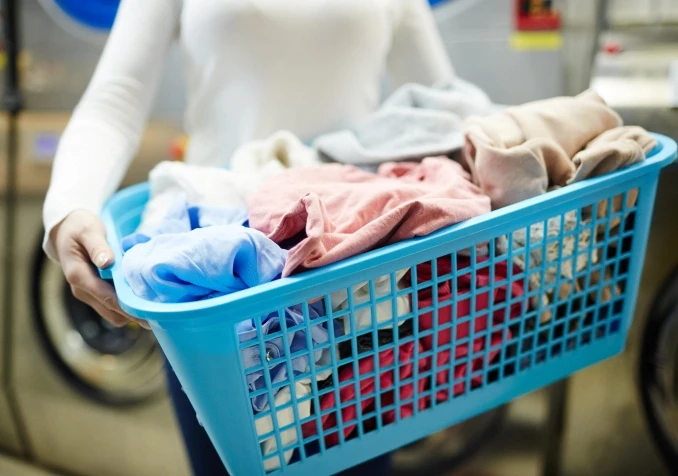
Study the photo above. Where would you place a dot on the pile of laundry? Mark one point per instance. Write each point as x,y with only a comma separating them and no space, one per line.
283,207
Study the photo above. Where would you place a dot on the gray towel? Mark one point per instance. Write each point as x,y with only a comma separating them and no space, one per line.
414,122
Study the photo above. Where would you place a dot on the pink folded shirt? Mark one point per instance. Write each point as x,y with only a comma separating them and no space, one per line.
340,211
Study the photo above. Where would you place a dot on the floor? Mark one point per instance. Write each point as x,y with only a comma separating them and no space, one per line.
13,467
605,434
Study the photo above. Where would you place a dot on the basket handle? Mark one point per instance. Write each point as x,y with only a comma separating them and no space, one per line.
106,273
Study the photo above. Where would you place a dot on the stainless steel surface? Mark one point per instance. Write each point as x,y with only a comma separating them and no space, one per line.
13,467
9,436
642,12
581,24
636,82
65,428
57,65
123,364
68,431
68,428
638,77
477,36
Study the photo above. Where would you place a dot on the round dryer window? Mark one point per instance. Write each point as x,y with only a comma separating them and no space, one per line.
116,366
658,382
88,19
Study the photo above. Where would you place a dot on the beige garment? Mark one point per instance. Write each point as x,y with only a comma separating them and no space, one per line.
524,151
570,249
612,150
284,418
573,250
383,310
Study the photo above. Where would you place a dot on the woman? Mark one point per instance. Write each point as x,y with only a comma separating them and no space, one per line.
251,67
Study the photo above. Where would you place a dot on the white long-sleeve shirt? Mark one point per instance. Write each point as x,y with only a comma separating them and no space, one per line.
250,67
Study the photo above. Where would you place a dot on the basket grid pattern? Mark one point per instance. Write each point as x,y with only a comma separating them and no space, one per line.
476,319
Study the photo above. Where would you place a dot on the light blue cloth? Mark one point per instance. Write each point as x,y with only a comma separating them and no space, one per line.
274,348
202,263
183,217
199,252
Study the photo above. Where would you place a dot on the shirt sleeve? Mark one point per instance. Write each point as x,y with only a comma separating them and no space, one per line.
106,127
417,53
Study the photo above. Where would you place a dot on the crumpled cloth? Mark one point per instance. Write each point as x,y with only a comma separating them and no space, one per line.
414,122
275,348
284,418
572,248
197,253
182,217
500,294
405,365
201,264
383,310
339,211
250,166
526,150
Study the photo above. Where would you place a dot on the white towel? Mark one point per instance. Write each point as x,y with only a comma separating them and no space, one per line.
251,165
285,417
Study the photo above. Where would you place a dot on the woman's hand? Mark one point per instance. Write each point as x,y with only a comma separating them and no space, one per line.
80,240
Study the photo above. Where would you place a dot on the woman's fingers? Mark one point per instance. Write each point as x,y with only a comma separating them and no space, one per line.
142,323
93,239
80,241
113,317
89,288
117,317
101,296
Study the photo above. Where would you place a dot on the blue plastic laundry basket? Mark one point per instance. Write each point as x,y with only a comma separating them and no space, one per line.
583,319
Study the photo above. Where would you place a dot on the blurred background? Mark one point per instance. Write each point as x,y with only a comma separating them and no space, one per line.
79,397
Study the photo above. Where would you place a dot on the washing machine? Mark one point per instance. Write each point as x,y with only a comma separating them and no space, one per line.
478,36
81,397
10,437
90,397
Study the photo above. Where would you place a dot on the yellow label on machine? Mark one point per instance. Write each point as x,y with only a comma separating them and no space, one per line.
536,40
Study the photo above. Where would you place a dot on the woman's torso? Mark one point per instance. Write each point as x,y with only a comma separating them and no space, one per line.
256,66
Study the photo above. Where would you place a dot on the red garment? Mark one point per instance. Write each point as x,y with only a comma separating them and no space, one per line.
406,353
482,277
386,382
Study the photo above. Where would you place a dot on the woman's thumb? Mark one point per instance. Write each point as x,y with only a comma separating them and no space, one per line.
97,247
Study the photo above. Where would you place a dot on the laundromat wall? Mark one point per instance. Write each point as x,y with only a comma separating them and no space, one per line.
477,33
58,59
48,421
57,67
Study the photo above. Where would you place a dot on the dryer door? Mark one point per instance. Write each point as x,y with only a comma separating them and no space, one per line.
9,433
90,20
658,382
116,366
